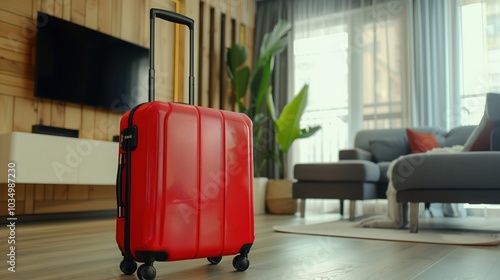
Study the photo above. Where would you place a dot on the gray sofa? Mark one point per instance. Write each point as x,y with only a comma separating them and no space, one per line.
361,172
470,176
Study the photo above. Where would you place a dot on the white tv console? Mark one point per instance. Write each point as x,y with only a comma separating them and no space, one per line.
46,159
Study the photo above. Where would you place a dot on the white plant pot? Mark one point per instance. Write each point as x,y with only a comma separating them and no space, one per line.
259,195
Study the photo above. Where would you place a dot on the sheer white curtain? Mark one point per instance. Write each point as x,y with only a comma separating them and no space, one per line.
434,52
353,55
455,53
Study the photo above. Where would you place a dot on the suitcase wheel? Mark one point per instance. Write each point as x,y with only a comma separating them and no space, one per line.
214,260
146,272
241,263
128,266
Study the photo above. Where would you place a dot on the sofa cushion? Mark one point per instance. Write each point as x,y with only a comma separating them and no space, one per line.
458,136
421,142
363,137
389,149
342,171
479,140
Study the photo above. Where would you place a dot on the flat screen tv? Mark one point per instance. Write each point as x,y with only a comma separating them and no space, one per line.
80,65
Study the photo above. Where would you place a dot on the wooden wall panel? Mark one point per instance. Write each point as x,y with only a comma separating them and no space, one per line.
18,7
78,8
91,14
105,16
25,114
204,55
44,112
128,20
6,113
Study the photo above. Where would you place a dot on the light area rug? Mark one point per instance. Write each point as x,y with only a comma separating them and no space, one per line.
452,231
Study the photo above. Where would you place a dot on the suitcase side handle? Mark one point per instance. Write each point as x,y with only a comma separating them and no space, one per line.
176,18
119,186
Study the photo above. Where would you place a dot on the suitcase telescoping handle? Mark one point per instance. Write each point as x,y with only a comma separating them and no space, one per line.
176,18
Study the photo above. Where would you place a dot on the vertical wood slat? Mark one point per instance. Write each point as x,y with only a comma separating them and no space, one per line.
66,13
24,114
192,10
58,8
35,7
104,16
78,8
44,112
60,192
204,57
6,113
39,193
48,192
214,99
91,14
228,40
47,6
72,116
88,121
100,127
143,20
29,199
78,192
116,19
57,114
130,22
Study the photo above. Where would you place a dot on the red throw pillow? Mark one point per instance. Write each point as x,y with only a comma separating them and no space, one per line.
421,142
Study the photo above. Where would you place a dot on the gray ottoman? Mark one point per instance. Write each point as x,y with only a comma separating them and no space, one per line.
347,179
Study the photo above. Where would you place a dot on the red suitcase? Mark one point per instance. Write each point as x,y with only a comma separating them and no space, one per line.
184,182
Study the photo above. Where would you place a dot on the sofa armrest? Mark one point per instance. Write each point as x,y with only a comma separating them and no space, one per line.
495,139
355,153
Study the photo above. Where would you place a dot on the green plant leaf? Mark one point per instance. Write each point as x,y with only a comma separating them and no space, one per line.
288,123
266,75
306,132
238,73
242,77
270,106
240,83
255,84
236,56
274,42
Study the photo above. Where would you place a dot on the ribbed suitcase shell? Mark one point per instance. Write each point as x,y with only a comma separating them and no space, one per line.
191,182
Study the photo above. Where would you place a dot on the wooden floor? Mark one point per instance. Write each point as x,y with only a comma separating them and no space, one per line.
86,249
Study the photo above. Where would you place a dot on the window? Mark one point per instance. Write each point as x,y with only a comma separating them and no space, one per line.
321,62
354,64
480,33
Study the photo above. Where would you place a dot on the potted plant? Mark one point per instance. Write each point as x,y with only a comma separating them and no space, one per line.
287,130
249,88
255,82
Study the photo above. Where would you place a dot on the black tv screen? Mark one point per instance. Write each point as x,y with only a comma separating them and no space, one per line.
80,65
